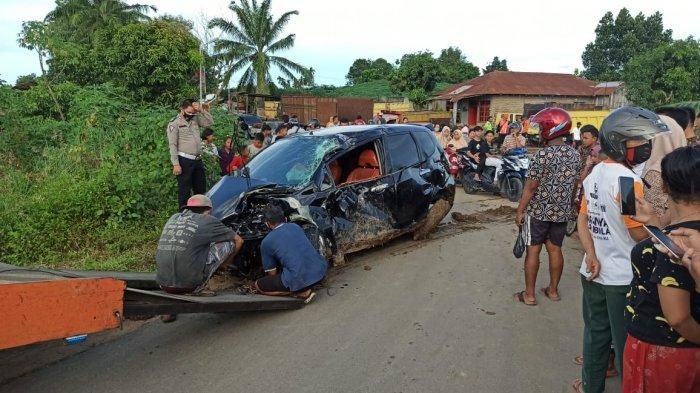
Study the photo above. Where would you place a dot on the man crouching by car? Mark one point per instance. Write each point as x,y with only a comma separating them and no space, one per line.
192,247
292,265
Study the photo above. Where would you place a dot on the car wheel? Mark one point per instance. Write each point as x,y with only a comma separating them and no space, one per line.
570,227
514,188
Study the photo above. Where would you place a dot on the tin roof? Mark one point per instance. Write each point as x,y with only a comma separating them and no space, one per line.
519,83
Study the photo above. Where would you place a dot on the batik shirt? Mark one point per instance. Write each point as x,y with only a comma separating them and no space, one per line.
556,168
644,316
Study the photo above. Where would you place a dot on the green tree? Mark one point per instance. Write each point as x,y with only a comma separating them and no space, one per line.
154,60
666,74
358,66
34,36
418,70
366,70
251,42
455,67
418,97
26,82
618,40
79,20
496,65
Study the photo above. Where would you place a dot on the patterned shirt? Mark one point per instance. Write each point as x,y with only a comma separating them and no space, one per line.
556,168
510,142
643,314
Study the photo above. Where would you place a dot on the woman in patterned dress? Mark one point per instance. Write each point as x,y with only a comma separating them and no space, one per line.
662,352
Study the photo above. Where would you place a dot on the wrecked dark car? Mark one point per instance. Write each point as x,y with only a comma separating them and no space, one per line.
349,188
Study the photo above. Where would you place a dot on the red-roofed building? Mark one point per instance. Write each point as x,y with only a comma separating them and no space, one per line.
507,92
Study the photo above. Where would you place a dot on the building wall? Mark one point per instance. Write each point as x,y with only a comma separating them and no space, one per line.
514,104
616,100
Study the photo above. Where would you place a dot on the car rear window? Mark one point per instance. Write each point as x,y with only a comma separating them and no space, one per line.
402,151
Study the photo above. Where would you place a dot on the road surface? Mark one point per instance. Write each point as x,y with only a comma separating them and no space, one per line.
435,316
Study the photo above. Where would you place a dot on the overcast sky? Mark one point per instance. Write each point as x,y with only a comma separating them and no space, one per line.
534,35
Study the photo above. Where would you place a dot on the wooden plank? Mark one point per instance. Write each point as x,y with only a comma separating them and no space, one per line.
46,310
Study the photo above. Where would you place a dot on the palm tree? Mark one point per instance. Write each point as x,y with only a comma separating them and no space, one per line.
84,17
252,43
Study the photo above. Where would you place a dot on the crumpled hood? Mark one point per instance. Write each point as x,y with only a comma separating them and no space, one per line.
226,194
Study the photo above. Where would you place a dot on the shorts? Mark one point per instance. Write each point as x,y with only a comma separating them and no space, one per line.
271,284
536,232
218,252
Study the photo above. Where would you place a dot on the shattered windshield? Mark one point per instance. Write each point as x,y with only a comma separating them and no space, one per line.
293,161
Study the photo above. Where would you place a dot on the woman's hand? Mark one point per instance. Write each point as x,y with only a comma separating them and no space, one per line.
645,212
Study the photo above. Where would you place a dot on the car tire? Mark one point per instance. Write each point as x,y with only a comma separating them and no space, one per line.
512,189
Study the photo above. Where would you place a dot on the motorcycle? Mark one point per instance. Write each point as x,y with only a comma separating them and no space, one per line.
509,180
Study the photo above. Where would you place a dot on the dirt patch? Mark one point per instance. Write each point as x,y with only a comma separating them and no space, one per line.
443,231
489,215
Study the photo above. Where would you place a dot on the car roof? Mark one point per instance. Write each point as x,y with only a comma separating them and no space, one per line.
248,116
369,131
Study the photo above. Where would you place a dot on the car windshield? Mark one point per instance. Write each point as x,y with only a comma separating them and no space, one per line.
291,161
251,119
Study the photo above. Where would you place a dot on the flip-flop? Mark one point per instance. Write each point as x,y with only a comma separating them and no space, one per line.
309,298
545,291
610,373
577,384
520,297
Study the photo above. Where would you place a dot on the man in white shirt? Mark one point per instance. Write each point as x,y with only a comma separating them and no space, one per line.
576,134
608,237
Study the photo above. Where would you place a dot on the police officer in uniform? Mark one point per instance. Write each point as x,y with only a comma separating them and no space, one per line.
186,153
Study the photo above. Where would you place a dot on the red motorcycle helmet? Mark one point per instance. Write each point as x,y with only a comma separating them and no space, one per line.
552,123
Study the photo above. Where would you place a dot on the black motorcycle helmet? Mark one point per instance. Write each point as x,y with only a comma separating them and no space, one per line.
628,123
314,123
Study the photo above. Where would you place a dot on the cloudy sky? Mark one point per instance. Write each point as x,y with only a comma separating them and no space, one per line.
534,35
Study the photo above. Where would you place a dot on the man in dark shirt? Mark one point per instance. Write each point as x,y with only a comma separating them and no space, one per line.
192,246
292,265
478,148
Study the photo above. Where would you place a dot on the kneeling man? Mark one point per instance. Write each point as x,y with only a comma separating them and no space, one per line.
292,265
193,245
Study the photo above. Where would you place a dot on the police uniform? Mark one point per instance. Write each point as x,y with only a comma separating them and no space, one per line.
185,146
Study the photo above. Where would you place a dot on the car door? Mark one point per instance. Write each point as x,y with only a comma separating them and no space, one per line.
410,195
363,211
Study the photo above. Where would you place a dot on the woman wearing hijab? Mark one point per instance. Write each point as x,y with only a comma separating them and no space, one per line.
445,136
662,145
458,140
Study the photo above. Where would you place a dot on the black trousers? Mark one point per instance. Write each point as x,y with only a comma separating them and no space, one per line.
192,178
482,163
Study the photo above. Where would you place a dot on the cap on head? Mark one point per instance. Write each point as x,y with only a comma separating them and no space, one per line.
199,200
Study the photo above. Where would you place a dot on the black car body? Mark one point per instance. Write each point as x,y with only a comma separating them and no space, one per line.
253,124
307,174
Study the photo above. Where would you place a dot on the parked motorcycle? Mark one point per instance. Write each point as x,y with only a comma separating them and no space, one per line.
509,180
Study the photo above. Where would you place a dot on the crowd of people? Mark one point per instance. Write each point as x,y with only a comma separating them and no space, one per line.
641,302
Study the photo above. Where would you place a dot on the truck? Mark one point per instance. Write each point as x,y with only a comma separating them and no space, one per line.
322,108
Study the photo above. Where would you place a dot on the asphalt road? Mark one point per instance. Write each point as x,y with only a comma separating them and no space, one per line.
435,316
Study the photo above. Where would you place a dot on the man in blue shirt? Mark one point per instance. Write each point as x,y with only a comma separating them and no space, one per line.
292,265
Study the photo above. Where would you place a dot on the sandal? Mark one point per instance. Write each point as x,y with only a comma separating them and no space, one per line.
609,373
545,291
520,297
577,384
